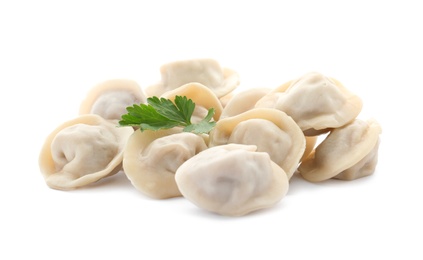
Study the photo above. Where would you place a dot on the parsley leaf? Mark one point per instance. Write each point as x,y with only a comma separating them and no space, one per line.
204,126
162,113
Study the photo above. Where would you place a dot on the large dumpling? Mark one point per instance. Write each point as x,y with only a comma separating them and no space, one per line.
110,98
347,153
207,72
317,103
232,180
271,130
151,159
82,151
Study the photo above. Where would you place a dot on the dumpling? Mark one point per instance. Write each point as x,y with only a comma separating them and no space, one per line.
152,157
232,180
226,98
271,130
347,153
110,98
203,98
364,167
243,101
310,144
207,72
82,151
316,102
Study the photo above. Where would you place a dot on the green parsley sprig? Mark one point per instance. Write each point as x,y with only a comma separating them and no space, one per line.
162,113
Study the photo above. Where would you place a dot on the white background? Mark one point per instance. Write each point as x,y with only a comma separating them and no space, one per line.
52,52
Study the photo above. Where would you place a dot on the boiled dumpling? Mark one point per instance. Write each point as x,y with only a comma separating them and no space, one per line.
204,71
364,167
152,157
82,151
271,130
110,99
243,101
347,153
310,144
203,98
232,180
226,98
316,102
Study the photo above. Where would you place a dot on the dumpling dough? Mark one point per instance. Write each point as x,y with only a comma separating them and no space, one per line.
243,101
271,130
310,144
316,102
226,98
347,153
82,151
204,71
232,180
110,99
203,98
152,157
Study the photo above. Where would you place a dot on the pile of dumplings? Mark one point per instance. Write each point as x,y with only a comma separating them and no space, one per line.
262,138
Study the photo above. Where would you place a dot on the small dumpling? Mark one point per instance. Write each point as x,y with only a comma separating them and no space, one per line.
110,98
207,72
347,153
316,102
82,151
243,101
151,159
203,98
364,167
232,180
271,130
